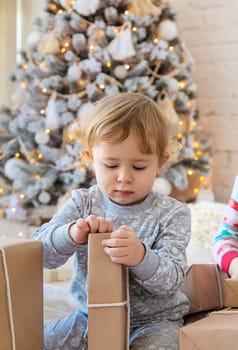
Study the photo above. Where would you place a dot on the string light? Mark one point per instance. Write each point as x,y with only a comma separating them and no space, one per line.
44,90
23,85
196,144
108,64
1,190
126,12
37,176
17,155
179,135
134,29
102,86
181,84
127,66
40,156
22,196
71,137
181,123
47,131
155,41
42,111
196,190
171,48
190,172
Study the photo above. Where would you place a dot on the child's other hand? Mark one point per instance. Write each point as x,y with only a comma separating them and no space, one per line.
124,247
82,227
233,269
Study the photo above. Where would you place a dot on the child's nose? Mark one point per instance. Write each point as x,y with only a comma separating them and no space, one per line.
124,176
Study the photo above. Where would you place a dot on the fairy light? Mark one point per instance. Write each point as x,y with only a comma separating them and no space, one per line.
201,178
17,154
42,111
127,66
44,90
40,156
102,86
22,196
199,153
63,50
181,84
126,12
47,131
20,234
42,64
196,144
109,64
37,176
1,190
155,41
190,172
181,123
91,47
72,2
53,7
134,29
23,85
179,135
60,11
71,137
171,48
81,82
13,210
24,66
196,190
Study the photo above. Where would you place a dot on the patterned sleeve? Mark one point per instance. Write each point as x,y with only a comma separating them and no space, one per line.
225,242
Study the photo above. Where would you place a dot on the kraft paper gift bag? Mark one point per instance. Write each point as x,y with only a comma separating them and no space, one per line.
108,299
21,295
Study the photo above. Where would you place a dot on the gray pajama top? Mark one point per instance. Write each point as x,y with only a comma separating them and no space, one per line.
162,223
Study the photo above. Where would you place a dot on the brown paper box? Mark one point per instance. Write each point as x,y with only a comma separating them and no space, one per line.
107,286
203,285
231,292
21,295
218,331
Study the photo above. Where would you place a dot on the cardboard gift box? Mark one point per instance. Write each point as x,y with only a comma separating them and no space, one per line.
203,285
217,331
108,299
231,292
21,295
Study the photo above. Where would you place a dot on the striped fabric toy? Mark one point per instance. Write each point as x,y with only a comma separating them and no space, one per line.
225,242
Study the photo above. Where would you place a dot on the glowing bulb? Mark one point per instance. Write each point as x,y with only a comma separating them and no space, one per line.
126,12
91,47
196,144
1,190
63,50
71,137
190,172
134,29
44,90
23,84
195,190
155,41
22,196
181,84
180,122
13,210
102,86
17,155
108,64
40,156
171,48
201,178
47,131
179,135
198,153
20,234
127,66
42,111
37,176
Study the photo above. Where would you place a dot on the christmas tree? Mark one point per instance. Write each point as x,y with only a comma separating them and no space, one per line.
80,52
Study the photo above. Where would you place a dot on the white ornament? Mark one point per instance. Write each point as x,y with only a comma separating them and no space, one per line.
86,8
120,72
44,197
74,73
11,167
167,30
42,138
162,185
52,117
121,47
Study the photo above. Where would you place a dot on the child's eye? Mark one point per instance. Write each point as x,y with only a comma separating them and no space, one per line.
139,167
111,166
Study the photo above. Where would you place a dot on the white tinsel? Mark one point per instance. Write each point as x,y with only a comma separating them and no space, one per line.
74,73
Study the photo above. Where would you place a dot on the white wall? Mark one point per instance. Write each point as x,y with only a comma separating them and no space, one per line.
210,29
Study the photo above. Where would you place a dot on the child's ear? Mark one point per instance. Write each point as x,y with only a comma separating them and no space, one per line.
88,155
163,160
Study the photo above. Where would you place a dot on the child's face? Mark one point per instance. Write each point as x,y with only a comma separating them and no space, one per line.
123,172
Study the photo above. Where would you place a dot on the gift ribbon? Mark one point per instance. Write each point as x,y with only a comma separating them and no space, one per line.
9,300
122,303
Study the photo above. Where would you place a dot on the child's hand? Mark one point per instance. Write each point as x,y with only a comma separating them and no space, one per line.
124,247
233,269
79,231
